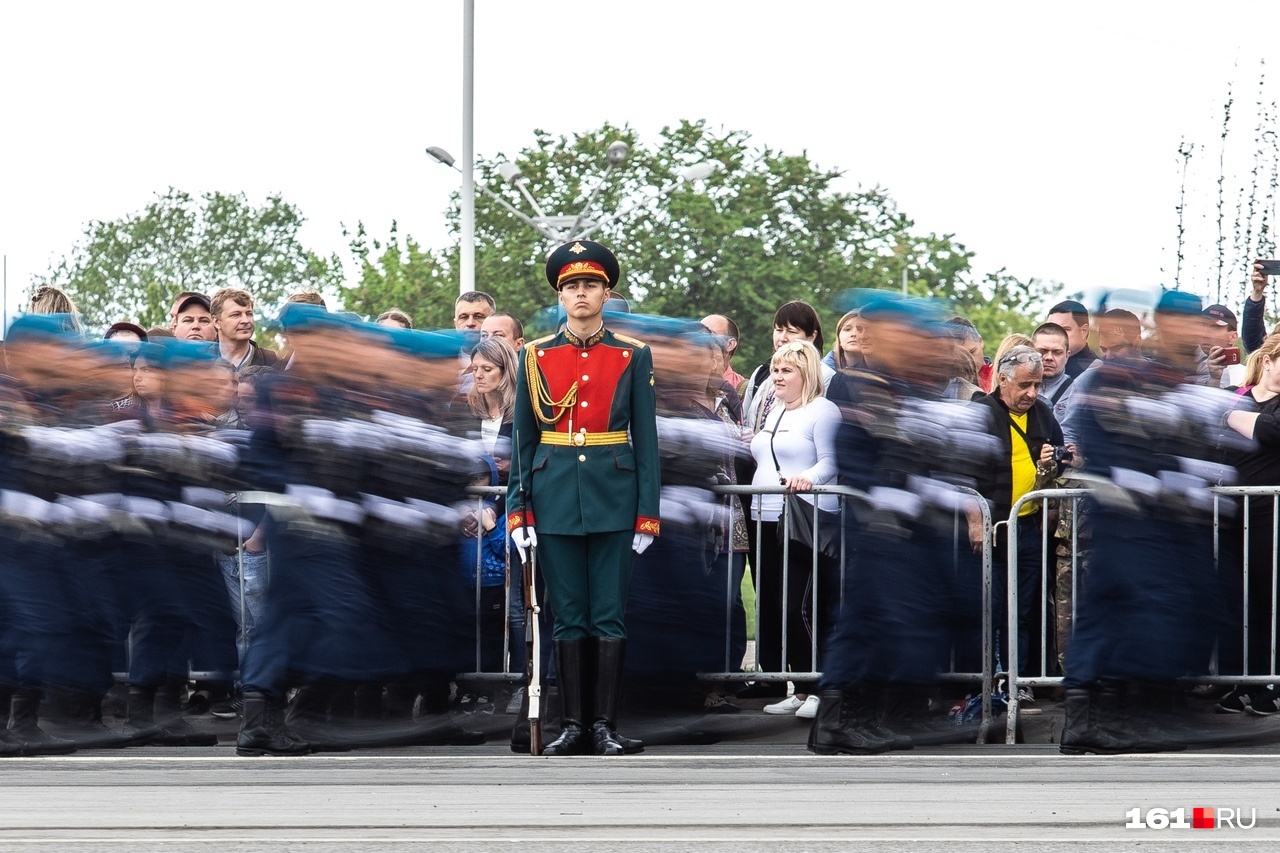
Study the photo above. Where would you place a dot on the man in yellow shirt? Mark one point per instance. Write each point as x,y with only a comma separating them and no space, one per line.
1029,435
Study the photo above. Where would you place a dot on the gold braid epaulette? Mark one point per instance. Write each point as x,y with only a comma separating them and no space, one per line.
539,396
627,339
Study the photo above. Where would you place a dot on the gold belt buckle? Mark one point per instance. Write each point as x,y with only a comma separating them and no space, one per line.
579,439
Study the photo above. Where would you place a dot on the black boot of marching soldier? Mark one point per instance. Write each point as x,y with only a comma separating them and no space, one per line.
1092,724
607,693
844,723
573,738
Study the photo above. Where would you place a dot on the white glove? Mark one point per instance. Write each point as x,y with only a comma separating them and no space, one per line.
640,542
525,538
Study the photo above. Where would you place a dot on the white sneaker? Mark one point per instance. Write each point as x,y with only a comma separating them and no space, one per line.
787,706
809,709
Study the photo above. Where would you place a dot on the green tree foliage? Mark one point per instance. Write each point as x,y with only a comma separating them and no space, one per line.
766,228
131,268
404,276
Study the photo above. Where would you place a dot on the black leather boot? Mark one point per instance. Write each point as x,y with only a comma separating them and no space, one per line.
1088,726
842,726
174,730
85,725
308,707
569,671
24,725
607,692
1151,713
310,718
139,721
262,731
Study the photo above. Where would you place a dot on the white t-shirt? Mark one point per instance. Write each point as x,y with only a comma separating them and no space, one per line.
1232,375
804,442
489,429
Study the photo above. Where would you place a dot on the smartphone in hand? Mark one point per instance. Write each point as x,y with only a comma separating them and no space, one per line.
1231,355
1269,267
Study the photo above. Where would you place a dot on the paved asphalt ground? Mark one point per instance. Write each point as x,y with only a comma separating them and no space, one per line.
762,793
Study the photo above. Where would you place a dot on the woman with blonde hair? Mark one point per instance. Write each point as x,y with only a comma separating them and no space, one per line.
1016,339
50,300
795,448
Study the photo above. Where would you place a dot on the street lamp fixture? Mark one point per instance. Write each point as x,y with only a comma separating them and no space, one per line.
441,155
510,173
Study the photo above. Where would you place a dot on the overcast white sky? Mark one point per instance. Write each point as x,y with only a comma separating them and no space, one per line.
1044,137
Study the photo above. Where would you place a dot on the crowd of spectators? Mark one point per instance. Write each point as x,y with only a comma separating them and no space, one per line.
289,537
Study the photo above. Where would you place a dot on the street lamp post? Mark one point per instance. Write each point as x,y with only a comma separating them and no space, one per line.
467,265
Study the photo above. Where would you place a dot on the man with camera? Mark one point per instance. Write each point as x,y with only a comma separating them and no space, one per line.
1033,454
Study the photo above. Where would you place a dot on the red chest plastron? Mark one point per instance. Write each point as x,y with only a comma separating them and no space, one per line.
597,370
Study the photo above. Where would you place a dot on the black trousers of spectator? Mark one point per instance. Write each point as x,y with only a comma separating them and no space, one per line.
798,615
1263,598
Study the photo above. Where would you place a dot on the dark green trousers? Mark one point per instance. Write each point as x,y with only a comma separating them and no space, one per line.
587,580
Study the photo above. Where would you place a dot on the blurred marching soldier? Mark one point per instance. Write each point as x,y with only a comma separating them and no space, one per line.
1149,438
357,539
587,487
907,448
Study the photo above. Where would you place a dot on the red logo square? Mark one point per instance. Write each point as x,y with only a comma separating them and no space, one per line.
1202,819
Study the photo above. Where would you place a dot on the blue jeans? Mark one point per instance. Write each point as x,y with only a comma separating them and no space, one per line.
246,609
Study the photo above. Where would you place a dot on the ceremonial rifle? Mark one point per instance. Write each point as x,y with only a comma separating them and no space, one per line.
532,630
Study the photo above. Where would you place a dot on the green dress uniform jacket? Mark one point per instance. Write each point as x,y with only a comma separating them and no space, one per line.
577,470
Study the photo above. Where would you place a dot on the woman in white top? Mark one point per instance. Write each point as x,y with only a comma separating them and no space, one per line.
794,321
795,447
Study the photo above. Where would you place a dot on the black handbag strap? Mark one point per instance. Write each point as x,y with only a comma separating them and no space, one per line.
772,436
1062,389
1031,450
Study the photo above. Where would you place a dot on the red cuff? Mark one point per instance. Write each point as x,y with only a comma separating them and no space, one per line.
648,525
519,518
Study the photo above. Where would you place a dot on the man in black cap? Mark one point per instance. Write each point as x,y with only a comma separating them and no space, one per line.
1074,319
192,320
1219,339
586,476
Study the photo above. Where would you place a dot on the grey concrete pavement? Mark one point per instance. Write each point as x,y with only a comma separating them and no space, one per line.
735,796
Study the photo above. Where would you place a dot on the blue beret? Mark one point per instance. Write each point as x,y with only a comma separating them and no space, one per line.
646,326
925,315
301,316
1179,302
30,327
172,353
424,344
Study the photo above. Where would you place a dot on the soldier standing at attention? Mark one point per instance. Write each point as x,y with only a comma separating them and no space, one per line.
586,476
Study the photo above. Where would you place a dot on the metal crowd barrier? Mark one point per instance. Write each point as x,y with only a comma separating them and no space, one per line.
847,495
731,670
1013,673
481,494
1222,495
